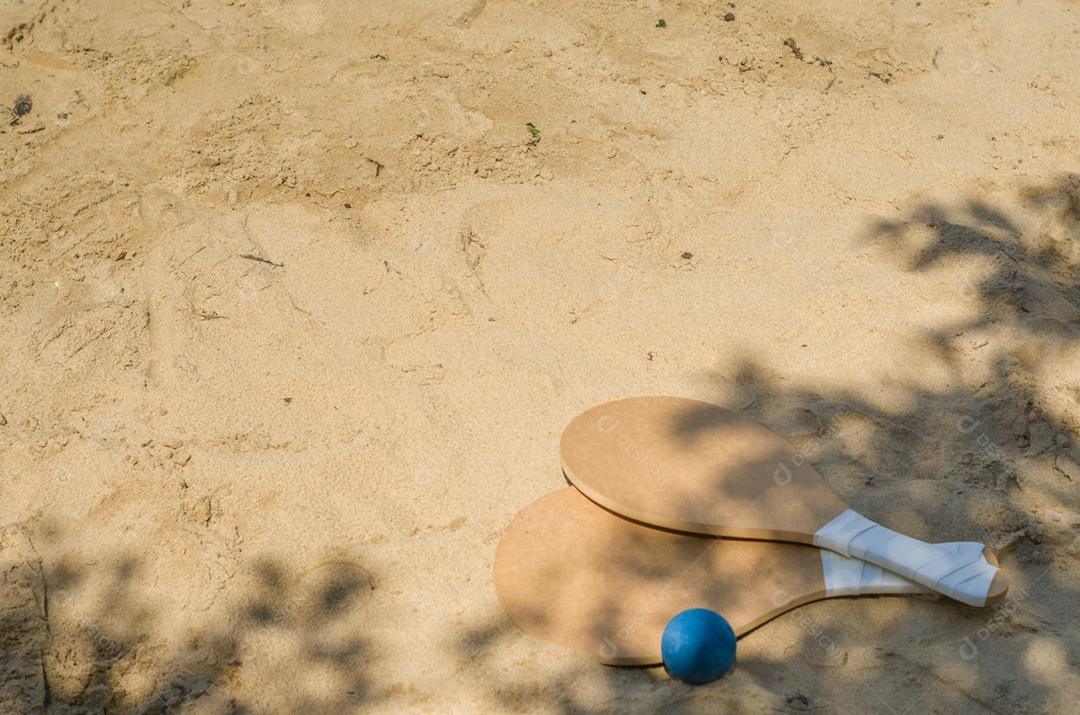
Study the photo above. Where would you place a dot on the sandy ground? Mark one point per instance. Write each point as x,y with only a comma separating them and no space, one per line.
294,307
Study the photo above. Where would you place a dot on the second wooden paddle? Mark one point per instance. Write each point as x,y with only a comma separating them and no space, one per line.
577,575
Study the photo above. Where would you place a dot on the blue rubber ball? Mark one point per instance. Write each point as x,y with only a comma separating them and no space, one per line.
698,646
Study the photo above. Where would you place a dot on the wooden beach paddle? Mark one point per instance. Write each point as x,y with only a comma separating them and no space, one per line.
696,467
574,574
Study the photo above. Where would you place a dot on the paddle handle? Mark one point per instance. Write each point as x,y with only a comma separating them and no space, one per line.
845,576
958,570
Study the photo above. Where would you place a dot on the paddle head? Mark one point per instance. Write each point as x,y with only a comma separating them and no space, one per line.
693,466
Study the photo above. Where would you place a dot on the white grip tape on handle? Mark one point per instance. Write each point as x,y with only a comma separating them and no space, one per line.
845,576
958,570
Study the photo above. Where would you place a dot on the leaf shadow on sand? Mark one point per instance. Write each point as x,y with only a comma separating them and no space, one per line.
92,640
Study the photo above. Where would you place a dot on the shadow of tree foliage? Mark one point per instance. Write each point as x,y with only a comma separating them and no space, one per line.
1033,285
989,454
87,638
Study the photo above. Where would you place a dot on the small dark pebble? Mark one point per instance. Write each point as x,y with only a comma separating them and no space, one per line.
288,400
730,17
23,105
307,194
348,206
687,255
661,22
798,702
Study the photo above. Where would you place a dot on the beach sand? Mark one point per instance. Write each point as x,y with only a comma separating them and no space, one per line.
295,305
